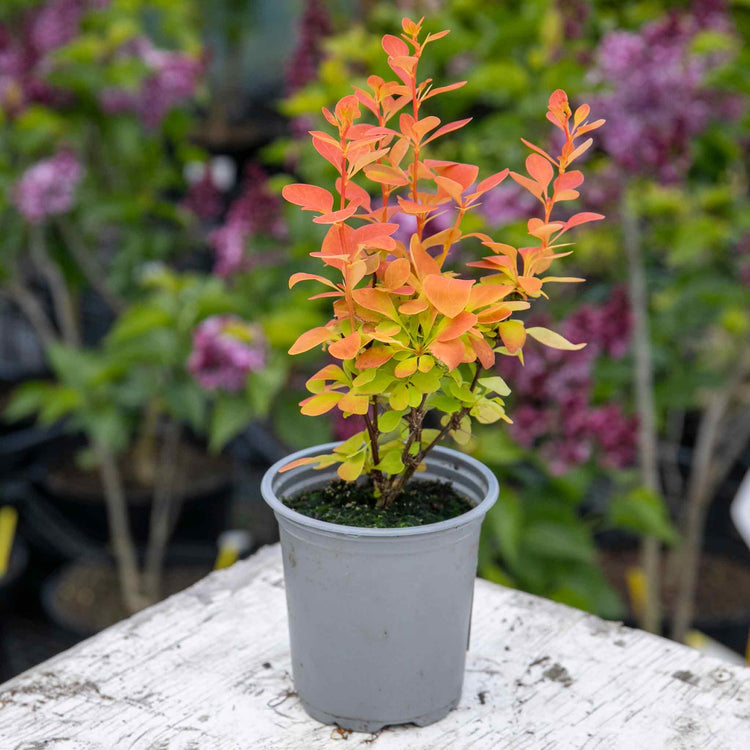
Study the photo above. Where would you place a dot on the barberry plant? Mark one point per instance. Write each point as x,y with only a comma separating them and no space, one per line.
411,336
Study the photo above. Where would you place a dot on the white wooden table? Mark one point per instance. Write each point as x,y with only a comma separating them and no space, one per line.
209,669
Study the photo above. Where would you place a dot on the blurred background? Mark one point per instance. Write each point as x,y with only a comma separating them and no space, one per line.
145,313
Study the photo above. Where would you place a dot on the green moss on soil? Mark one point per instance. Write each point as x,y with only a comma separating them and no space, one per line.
422,502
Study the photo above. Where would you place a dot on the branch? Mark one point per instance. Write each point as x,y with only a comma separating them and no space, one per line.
58,287
34,312
701,485
644,393
90,266
120,534
160,525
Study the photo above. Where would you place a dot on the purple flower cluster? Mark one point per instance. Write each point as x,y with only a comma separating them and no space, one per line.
48,187
658,100
574,15
204,198
25,51
225,350
257,211
172,82
314,26
506,204
553,391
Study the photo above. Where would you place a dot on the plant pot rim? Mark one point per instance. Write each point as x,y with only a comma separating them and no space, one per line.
439,452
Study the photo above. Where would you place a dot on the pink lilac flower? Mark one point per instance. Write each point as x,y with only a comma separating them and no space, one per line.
574,14
26,47
171,83
554,411
345,427
314,26
256,212
48,187
507,203
204,198
54,23
606,328
658,100
226,349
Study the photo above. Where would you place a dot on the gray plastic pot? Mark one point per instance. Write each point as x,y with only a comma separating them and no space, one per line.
379,618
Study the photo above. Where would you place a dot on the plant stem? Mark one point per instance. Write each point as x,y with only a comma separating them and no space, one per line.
30,306
161,512
61,297
89,266
120,534
644,394
701,485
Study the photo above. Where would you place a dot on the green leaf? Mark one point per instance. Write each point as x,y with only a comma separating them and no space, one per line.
552,339
563,541
445,403
139,320
391,463
426,382
389,420
27,400
230,415
493,572
505,521
399,398
495,383
643,512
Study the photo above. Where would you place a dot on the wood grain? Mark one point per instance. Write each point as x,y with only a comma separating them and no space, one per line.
209,668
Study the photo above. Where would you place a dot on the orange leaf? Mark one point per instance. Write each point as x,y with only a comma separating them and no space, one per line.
347,347
319,404
397,273
311,339
375,356
299,462
494,314
483,351
458,326
377,300
329,372
449,296
351,404
329,152
490,182
448,128
337,216
450,353
310,197
582,218
533,187
539,169
444,89
406,368
297,277
487,294
386,174
513,335
530,284
423,261
394,46
413,307
539,151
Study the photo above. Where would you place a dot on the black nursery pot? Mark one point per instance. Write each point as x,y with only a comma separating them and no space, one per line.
11,580
67,511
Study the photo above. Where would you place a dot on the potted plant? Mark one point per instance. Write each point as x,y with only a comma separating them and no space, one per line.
379,566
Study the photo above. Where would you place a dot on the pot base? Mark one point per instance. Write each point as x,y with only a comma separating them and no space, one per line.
370,726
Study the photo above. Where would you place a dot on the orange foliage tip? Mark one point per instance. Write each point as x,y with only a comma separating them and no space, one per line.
407,333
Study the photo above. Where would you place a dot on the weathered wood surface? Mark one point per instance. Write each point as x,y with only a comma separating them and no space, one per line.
209,669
